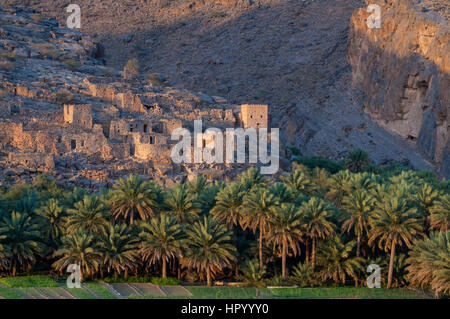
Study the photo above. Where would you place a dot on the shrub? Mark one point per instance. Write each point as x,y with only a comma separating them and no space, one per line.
321,162
155,79
252,274
357,160
165,281
72,64
62,97
131,69
304,276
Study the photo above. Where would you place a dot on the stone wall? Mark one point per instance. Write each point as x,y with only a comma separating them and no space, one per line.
32,160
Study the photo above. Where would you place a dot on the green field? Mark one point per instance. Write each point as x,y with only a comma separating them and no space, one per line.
347,293
29,281
44,287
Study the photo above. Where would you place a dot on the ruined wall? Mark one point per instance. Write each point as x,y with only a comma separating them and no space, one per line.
84,142
8,131
39,161
130,102
102,91
78,115
402,72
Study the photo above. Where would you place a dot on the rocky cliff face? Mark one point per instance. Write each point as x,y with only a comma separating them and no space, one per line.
402,72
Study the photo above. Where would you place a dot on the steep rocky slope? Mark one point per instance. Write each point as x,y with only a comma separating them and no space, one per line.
402,71
290,54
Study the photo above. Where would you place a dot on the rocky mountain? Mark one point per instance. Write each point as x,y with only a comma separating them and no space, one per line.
402,73
329,80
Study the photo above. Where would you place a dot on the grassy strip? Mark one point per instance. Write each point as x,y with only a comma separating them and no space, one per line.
229,292
170,281
346,292
29,281
9,293
81,293
100,290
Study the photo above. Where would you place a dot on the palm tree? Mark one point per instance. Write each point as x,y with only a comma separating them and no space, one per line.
22,240
319,181
252,274
53,220
209,247
380,192
316,215
27,203
359,204
180,203
252,178
78,248
429,262
229,204
440,214
257,210
298,182
89,215
119,249
363,180
339,187
132,198
196,186
285,231
425,198
4,255
206,200
161,240
393,223
357,160
336,263
282,193
303,275
73,196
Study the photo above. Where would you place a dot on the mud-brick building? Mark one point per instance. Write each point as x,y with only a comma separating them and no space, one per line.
79,115
254,116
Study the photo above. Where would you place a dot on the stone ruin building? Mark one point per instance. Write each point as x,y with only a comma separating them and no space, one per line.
65,114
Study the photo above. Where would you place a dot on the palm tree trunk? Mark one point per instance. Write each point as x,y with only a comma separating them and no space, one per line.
391,264
307,251
164,268
81,272
313,257
260,246
14,268
208,276
283,260
358,246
